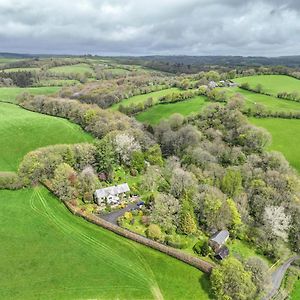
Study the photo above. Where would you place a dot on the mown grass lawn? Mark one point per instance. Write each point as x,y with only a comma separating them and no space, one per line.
244,250
48,253
22,131
142,98
9,94
295,295
78,69
271,103
285,137
272,83
163,111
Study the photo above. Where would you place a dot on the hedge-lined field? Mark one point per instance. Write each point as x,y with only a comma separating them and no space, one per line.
142,98
163,111
55,255
22,131
272,84
285,137
21,70
78,68
271,103
9,94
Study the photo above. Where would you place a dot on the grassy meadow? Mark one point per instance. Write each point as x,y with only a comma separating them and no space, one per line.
117,71
78,68
22,69
22,131
55,255
272,84
296,292
9,94
142,98
285,137
5,60
272,103
156,113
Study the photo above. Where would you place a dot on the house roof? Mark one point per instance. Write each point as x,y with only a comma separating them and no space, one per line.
220,237
222,252
112,190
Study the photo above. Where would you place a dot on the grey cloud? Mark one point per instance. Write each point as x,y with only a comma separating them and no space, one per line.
140,27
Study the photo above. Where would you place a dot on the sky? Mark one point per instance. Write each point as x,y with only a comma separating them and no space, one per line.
151,27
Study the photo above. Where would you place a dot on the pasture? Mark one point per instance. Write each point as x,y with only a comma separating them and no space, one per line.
271,103
9,94
5,60
156,113
22,69
117,71
22,131
48,253
272,84
296,291
285,137
69,69
142,98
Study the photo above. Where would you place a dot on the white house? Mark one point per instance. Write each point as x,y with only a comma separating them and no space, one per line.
112,194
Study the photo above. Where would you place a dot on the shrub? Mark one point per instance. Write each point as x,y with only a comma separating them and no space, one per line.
128,216
197,247
202,248
135,212
176,242
145,220
154,232
10,180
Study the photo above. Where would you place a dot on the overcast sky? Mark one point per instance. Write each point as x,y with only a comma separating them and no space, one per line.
143,27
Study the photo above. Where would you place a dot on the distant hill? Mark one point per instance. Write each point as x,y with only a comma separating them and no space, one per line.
193,64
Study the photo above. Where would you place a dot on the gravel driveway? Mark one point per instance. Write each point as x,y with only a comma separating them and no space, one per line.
278,275
113,216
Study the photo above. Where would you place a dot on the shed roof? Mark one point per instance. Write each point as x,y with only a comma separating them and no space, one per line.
220,237
112,190
222,252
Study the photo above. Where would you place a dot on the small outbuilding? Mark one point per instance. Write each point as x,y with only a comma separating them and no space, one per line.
112,194
222,253
218,239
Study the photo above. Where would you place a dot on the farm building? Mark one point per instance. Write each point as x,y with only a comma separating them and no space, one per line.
212,84
222,252
112,194
217,242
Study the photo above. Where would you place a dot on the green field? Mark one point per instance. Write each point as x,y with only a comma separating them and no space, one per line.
242,249
47,253
4,60
163,111
78,69
117,71
272,84
270,102
9,94
142,98
296,292
21,69
285,137
57,82
22,131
